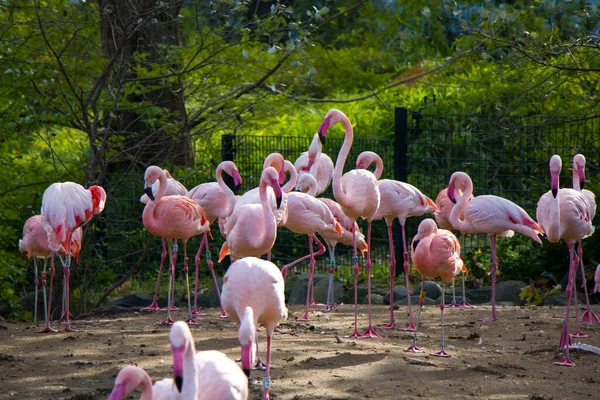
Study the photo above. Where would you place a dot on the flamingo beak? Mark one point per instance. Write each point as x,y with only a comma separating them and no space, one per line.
581,173
432,204
278,193
148,191
281,176
310,163
237,179
554,183
414,244
360,165
178,366
323,129
450,192
118,392
247,358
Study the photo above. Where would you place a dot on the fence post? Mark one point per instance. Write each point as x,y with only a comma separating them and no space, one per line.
400,173
228,154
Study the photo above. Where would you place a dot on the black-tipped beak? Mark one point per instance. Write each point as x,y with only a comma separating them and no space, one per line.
278,199
414,244
581,185
321,137
554,192
148,192
247,372
179,383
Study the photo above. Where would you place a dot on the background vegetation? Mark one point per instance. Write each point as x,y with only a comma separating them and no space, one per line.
95,90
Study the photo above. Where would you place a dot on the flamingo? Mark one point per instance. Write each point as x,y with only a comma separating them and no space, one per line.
578,182
253,294
251,228
435,252
217,200
307,216
205,374
398,200
488,214
67,206
131,377
564,214
174,187
358,194
444,205
316,163
172,217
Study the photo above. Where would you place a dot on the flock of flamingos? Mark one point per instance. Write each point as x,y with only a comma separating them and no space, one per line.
253,288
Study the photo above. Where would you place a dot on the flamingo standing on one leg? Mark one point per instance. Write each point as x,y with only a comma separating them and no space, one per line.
398,200
578,182
174,187
564,214
358,194
488,214
444,205
218,201
435,252
67,206
131,377
317,164
253,294
205,374
172,217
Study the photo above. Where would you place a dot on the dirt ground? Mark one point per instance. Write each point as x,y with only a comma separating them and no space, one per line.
507,359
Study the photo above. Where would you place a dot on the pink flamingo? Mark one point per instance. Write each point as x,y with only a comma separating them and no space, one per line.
488,214
251,228
218,201
444,205
174,187
435,252
308,184
205,374
358,194
67,206
398,200
253,294
131,377
316,163
564,214
172,217
578,182
307,216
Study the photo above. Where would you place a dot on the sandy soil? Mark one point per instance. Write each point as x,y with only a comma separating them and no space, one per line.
507,359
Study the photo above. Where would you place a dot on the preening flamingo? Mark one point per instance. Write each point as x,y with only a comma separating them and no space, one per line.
251,228
218,201
253,294
435,252
358,194
578,183
444,205
564,214
398,200
174,187
316,163
172,217
131,377
205,374
307,216
67,206
488,214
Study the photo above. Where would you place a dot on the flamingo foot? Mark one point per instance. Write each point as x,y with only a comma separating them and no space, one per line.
191,321
414,349
370,334
589,317
315,304
579,334
64,319
152,307
303,318
47,329
197,313
277,330
389,325
491,318
453,305
410,327
223,314
464,304
565,338
259,366
441,353
565,362
354,335
167,321
328,307
172,307
68,328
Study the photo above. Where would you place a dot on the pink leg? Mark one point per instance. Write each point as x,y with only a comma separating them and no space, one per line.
413,347
173,258
154,305
36,282
588,316
442,352
47,328
392,322
311,267
355,334
267,378
67,274
330,298
370,332
493,273
577,332
195,311
319,252
411,321
463,303
565,338
190,319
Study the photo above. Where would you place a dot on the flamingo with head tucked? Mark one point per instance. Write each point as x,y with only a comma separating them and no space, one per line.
492,215
316,163
358,194
172,217
398,200
217,200
131,377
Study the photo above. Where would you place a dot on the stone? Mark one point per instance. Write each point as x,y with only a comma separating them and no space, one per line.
432,290
213,297
414,301
479,295
321,288
375,299
297,289
400,292
135,300
510,291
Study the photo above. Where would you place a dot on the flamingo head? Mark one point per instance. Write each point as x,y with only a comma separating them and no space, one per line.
555,166
324,126
237,178
180,338
98,198
246,337
271,178
148,191
450,191
277,161
579,167
129,378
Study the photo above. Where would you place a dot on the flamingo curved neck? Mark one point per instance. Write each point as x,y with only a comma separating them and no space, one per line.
338,191
291,183
190,372
146,387
462,199
576,182
226,189
268,215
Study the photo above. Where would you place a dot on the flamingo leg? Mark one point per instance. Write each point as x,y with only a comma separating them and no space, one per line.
370,332
355,334
588,316
267,378
171,304
392,322
35,293
195,311
319,252
454,304
172,257
330,298
311,267
565,338
442,352
44,289
67,277
259,364
493,273
413,347
411,321
190,319
154,305
463,303
47,328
